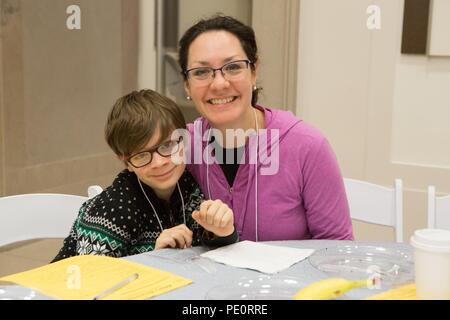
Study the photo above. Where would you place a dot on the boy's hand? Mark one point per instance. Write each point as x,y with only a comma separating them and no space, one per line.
216,217
177,237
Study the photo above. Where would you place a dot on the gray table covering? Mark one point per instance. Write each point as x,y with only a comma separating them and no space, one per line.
208,275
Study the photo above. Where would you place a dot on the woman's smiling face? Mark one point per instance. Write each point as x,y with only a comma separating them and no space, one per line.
223,102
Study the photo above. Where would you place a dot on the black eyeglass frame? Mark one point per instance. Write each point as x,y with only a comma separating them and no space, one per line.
153,150
186,72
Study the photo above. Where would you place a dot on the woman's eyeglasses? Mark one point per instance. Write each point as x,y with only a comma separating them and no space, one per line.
230,71
166,149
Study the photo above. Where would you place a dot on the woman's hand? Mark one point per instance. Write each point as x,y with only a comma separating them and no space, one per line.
177,237
216,217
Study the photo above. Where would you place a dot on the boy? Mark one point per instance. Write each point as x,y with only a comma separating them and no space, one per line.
154,203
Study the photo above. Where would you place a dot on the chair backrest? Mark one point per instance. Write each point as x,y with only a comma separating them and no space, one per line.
438,210
94,191
36,216
376,204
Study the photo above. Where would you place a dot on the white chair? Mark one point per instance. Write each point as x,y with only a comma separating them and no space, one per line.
39,215
376,204
438,210
94,191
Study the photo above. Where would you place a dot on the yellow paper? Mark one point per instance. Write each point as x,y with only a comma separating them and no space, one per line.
406,292
84,277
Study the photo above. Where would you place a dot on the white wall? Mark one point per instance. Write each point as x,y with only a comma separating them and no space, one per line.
386,114
333,80
421,120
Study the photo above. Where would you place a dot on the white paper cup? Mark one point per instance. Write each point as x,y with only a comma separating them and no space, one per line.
432,263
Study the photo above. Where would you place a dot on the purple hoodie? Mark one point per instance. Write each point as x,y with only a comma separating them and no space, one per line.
298,193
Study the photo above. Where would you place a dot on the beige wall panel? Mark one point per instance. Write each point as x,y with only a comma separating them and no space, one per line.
421,120
334,53
371,232
13,100
190,11
59,85
146,43
64,173
276,27
385,50
129,42
2,137
439,28
69,77
414,211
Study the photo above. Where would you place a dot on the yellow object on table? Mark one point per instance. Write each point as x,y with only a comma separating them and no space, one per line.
406,292
88,276
329,289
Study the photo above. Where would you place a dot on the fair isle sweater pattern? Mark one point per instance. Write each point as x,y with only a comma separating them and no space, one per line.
120,221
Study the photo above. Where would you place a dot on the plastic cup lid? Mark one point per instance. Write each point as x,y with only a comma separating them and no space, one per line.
431,239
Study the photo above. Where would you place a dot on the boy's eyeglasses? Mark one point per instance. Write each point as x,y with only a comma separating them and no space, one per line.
205,75
166,149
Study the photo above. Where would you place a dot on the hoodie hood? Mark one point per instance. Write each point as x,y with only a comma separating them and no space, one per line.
278,123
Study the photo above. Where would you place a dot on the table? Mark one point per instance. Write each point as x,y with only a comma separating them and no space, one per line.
207,274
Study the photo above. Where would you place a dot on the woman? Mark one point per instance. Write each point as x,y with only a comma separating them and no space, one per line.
301,195
154,203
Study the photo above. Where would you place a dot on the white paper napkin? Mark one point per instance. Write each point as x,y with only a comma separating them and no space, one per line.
257,256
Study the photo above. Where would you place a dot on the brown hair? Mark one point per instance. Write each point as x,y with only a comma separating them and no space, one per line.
135,117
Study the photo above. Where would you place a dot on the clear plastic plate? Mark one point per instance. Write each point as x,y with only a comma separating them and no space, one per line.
262,287
14,292
387,266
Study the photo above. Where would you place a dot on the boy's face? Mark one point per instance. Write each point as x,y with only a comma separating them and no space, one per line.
161,174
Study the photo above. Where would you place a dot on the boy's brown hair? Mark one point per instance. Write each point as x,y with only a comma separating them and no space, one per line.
135,117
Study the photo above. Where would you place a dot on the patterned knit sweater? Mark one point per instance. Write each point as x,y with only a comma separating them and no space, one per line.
120,221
